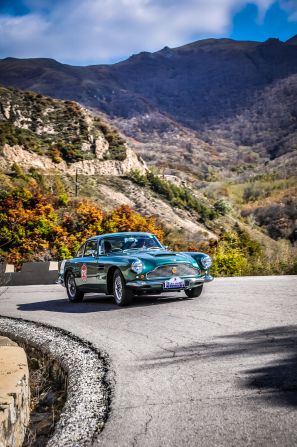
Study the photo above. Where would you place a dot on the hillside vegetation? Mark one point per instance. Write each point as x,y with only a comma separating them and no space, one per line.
47,209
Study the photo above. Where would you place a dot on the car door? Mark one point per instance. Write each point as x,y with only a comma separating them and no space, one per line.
104,262
89,266
76,265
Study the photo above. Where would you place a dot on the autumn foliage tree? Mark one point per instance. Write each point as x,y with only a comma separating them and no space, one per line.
27,221
34,227
125,219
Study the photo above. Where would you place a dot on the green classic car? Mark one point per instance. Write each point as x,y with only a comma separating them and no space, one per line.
128,264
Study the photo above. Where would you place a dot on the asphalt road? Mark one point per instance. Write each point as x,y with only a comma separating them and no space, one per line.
219,370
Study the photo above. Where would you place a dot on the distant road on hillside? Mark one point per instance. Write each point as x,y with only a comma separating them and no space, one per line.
219,370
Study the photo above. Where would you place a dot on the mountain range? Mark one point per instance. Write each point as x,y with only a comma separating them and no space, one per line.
217,115
215,102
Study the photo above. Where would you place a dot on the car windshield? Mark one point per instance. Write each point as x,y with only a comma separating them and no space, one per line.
133,242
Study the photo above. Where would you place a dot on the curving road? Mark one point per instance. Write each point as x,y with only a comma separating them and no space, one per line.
220,370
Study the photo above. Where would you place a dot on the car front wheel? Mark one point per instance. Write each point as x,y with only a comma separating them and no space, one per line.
74,295
122,295
195,292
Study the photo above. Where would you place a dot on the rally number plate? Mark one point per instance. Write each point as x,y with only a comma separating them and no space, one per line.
174,283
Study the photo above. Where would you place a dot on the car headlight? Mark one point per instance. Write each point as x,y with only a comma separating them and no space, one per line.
206,262
137,266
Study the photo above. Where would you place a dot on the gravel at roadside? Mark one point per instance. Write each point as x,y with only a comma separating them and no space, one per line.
87,402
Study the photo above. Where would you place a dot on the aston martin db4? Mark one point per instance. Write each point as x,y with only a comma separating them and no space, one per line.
132,263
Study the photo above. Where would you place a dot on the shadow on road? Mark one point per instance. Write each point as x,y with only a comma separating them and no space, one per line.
92,303
275,379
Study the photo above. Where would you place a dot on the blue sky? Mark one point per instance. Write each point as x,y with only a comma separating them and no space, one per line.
82,32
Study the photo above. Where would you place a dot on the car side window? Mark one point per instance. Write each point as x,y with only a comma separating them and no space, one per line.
91,248
108,245
80,251
105,247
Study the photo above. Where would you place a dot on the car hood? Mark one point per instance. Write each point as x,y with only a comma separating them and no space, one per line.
154,258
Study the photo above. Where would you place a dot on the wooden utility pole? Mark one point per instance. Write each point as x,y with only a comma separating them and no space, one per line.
76,182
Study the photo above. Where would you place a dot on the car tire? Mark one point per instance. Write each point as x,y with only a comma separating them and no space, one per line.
74,295
122,295
195,292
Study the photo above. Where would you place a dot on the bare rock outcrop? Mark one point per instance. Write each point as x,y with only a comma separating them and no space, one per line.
99,166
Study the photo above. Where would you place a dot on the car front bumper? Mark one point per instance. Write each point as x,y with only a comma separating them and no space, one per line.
158,285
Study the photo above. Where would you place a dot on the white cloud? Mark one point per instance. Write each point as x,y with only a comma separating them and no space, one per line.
94,31
291,7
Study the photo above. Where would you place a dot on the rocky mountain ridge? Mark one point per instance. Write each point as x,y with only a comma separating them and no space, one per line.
191,99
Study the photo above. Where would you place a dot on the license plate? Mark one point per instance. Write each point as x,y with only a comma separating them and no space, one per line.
174,283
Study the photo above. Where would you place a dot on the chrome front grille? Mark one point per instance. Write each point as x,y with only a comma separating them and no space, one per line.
167,271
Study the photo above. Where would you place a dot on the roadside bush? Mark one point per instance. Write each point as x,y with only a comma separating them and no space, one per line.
229,262
235,253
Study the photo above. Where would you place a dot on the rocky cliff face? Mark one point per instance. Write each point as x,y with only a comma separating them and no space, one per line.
26,159
60,136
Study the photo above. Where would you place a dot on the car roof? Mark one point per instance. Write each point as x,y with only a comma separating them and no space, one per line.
123,233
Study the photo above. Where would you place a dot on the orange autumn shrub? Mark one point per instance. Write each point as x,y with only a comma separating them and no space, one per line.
27,222
124,218
35,227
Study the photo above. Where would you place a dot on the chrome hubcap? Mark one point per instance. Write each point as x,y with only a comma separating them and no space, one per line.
71,286
118,289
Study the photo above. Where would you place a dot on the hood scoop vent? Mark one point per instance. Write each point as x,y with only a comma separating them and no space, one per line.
167,253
